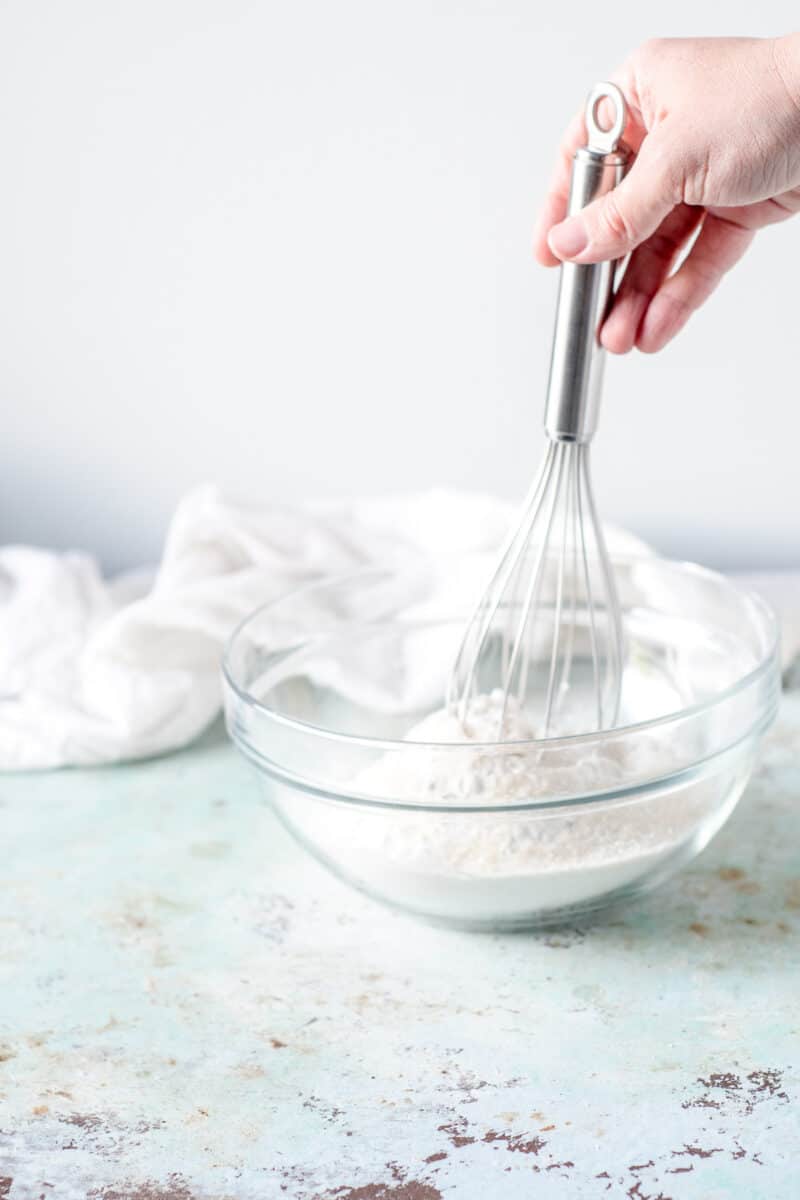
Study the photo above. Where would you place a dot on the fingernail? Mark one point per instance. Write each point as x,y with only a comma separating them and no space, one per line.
569,238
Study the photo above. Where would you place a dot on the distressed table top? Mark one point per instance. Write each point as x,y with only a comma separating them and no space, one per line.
190,1007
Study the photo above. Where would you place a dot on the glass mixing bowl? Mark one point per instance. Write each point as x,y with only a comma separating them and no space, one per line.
323,687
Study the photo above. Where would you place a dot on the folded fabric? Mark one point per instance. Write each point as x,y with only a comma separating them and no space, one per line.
96,671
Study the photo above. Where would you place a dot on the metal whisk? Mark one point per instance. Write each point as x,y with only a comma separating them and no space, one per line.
548,631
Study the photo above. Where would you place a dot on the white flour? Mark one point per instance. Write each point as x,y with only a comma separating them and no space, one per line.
437,773
486,865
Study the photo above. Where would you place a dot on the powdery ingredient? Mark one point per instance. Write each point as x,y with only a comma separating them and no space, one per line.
494,865
438,771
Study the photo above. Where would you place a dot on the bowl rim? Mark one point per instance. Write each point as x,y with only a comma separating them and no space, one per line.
769,659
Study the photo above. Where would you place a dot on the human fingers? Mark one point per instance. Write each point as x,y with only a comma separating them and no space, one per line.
763,212
620,220
554,208
649,266
719,245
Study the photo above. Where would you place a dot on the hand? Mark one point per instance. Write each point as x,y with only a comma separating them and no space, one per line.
715,123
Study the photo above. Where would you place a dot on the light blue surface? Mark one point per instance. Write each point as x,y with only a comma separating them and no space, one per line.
190,1007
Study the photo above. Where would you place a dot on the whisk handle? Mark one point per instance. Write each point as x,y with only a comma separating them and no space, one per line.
585,291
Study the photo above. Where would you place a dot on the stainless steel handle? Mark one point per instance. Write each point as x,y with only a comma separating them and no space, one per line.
584,292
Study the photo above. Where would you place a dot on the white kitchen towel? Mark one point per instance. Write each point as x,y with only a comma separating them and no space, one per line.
96,671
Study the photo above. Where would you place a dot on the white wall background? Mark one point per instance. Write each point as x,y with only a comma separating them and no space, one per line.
286,246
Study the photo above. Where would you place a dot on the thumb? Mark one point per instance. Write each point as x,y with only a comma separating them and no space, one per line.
618,221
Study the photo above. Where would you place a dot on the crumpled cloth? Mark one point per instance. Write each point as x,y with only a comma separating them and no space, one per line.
97,671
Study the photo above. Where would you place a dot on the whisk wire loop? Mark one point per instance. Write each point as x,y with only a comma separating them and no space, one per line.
547,631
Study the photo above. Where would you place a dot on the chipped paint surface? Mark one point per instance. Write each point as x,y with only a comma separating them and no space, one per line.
190,1009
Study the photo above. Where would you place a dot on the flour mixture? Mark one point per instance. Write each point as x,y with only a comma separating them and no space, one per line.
481,861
